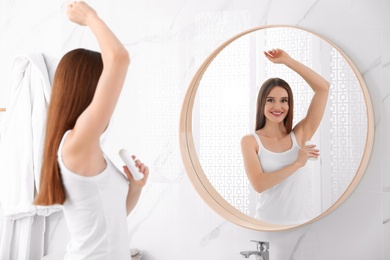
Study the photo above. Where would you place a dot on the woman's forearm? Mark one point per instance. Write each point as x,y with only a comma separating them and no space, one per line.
270,179
132,198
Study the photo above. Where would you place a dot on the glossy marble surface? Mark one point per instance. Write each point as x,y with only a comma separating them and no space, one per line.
171,221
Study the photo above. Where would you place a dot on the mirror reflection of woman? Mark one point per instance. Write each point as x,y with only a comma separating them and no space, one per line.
275,154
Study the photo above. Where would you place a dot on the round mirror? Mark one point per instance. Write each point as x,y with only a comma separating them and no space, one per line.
220,106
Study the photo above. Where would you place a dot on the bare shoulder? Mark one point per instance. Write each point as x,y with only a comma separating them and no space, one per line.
248,141
247,138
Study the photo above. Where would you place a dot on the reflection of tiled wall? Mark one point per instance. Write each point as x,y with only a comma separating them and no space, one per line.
348,119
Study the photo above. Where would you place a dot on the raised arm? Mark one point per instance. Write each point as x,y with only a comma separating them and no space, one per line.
306,128
94,120
81,151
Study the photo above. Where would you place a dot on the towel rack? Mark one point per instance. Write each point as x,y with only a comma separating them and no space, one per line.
2,109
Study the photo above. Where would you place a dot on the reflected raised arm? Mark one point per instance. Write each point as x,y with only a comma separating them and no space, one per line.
305,129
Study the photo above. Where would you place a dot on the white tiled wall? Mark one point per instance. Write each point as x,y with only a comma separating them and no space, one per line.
171,221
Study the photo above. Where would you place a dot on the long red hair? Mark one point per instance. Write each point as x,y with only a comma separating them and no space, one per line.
73,89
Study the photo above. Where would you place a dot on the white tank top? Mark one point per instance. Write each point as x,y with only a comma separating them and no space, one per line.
288,202
95,212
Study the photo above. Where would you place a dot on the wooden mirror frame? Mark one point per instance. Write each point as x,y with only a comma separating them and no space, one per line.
200,181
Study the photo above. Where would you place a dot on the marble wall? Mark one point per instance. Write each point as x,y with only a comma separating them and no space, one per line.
171,221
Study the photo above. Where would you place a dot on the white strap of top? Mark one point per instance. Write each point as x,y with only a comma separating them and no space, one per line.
59,152
293,138
258,140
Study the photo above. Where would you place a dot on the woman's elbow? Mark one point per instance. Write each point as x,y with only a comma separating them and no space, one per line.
259,188
123,57
119,57
326,86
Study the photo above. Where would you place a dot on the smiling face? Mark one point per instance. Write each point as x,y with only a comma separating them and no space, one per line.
276,105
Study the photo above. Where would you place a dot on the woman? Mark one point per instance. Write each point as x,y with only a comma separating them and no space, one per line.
96,196
275,154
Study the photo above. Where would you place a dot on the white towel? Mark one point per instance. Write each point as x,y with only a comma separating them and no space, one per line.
22,135
22,132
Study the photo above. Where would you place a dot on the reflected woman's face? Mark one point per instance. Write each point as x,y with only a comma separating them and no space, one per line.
276,105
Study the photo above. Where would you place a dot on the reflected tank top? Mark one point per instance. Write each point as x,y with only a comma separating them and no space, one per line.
288,202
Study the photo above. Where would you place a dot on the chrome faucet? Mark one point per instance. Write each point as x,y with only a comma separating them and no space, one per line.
261,253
